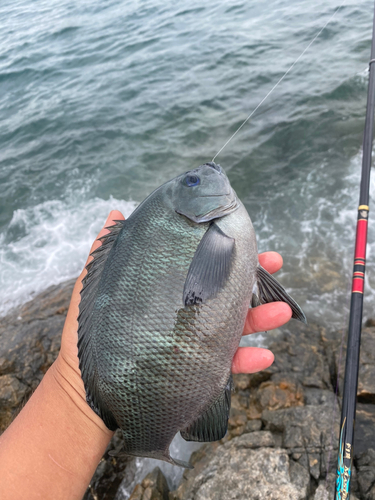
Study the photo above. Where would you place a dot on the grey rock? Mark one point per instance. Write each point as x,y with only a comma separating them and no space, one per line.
308,427
316,397
364,428
109,473
236,471
366,380
253,425
281,440
29,343
301,352
153,487
314,465
366,472
300,477
326,488
256,439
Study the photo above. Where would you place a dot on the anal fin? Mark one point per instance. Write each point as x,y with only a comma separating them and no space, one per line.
212,425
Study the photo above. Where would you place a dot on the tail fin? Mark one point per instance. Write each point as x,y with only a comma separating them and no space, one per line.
157,455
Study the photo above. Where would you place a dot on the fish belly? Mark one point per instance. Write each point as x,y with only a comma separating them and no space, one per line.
160,364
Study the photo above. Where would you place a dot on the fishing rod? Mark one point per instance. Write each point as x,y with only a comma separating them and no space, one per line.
345,453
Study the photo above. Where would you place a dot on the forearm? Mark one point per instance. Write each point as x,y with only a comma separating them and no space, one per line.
53,447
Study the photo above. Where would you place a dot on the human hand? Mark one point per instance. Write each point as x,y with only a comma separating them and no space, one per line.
53,447
66,367
262,318
246,359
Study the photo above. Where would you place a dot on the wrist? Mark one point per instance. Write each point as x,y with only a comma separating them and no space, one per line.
64,379
57,436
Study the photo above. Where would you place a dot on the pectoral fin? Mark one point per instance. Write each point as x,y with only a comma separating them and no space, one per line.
268,289
212,425
210,266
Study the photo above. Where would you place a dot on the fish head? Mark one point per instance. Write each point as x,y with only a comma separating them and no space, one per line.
204,193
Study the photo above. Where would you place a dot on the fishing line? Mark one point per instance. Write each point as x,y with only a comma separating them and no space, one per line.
280,80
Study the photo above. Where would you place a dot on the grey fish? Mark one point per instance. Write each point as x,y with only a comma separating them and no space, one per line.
162,311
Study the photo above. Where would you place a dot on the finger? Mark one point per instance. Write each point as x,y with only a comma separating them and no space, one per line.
271,261
267,317
251,360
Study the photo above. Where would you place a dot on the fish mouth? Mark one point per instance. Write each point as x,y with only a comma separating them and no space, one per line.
214,195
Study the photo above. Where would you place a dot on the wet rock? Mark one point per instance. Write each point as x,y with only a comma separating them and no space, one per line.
366,380
29,343
283,425
153,487
301,353
12,393
364,428
366,472
109,473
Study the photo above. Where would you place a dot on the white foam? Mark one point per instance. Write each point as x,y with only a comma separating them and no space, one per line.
49,244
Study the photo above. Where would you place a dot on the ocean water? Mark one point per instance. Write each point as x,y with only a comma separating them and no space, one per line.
101,102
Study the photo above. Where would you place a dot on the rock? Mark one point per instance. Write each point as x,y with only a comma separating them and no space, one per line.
12,393
109,473
364,429
326,489
366,472
281,438
237,471
366,376
280,392
256,439
366,379
29,343
307,427
237,421
253,425
299,476
300,352
153,487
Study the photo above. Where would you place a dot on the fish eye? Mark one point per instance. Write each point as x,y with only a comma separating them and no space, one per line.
192,180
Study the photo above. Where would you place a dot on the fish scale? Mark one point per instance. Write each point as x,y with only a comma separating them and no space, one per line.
163,310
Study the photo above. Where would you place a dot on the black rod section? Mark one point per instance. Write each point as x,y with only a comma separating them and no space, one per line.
345,453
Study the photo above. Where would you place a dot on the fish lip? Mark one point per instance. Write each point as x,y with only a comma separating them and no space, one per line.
214,195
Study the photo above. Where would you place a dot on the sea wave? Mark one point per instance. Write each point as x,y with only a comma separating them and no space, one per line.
49,243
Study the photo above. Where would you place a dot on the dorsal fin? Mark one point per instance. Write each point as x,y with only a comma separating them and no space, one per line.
88,296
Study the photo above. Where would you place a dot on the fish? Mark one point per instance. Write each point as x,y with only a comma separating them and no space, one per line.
163,307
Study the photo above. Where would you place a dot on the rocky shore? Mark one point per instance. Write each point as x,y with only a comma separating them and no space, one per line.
284,422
